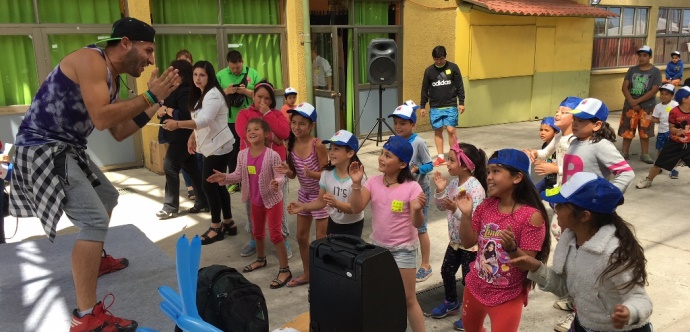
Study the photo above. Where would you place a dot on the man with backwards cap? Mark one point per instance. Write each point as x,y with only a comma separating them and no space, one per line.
53,173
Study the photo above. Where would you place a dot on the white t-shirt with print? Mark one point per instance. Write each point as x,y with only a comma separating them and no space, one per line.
340,188
661,111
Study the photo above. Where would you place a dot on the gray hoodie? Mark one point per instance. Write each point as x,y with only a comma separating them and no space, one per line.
576,272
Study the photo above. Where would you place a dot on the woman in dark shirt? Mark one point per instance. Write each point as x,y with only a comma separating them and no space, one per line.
176,107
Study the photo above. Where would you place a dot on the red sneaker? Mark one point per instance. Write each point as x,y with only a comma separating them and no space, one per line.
110,264
101,320
439,161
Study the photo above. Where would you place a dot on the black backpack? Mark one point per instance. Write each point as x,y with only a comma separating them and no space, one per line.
228,301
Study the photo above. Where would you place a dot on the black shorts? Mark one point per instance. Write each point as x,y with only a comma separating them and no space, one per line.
671,154
354,229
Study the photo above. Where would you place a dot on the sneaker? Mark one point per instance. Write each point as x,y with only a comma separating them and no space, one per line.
249,249
565,324
645,158
644,183
423,274
288,248
673,174
446,308
439,161
110,264
458,326
625,155
101,320
162,214
565,304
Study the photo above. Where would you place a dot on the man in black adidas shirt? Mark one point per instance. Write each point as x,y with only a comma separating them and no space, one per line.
442,87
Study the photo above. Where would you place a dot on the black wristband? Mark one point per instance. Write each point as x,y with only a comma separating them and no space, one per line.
142,119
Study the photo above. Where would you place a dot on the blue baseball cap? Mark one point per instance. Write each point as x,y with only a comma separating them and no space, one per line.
401,148
411,104
343,138
681,94
404,112
512,157
306,110
588,191
551,122
590,108
571,102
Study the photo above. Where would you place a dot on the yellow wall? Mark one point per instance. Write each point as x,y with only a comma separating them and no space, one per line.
423,29
295,47
606,84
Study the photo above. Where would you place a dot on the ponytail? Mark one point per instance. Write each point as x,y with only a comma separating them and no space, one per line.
291,145
478,157
604,133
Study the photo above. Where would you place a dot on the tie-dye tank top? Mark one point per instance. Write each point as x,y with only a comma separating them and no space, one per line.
58,113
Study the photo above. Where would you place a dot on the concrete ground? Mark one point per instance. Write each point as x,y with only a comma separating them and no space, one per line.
656,214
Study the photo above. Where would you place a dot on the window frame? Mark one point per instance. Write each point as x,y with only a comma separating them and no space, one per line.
684,11
621,35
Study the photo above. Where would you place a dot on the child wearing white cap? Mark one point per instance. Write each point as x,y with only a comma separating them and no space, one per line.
290,101
674,69
660,116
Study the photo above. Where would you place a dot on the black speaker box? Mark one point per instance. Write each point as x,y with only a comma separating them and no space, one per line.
382,62
354,286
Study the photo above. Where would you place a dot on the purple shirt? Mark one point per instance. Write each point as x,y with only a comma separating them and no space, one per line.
254,169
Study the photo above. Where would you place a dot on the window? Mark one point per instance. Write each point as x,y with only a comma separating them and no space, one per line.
19,79
79,11
17,11
261,52
672,34
617,39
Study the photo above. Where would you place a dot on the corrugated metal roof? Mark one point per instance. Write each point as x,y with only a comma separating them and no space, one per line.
542,8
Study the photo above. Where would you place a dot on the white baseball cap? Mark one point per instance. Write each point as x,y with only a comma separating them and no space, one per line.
591,108
668,87
404,112
290,91
306,110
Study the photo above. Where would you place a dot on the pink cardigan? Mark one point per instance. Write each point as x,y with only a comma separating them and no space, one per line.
268,195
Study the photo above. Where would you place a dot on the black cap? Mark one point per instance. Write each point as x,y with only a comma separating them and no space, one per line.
133,29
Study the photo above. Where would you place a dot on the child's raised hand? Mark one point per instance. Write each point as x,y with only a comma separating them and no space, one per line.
263,107
216,177
508,239
464,202
413,168
329,199
448,204
440,181
418,203
531,153
294,208
542,167
356,172
282,168
274,184
620,316
525,263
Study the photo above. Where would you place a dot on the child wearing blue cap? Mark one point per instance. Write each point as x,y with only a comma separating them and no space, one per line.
507,224
660,116
336,186
598,259
547,132
397,203
675,149
593,150
306,158
404,120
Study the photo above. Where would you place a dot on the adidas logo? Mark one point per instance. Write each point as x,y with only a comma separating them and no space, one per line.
440,83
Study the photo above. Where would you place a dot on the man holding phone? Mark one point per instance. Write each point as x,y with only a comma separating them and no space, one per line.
237,81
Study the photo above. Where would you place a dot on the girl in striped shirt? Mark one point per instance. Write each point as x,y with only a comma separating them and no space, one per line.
305,160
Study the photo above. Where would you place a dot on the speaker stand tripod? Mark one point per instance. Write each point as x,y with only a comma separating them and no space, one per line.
379,122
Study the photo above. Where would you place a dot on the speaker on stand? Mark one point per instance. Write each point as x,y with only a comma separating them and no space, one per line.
382,69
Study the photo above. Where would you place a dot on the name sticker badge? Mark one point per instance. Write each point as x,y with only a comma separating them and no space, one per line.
397,206
251,170
448,71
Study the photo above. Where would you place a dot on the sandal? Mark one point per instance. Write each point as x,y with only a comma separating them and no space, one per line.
205,240
197,209
262,263
229,227
277,283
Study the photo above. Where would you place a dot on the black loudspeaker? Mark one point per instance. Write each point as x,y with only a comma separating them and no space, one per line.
382,61
354,286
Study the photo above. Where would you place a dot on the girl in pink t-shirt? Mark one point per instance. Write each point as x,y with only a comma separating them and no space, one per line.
396,212
262,186
506,225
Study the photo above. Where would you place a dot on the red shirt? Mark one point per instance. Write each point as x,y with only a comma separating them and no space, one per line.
280,128
679,119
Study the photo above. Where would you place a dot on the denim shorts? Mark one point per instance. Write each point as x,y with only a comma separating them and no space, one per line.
423,229
405,259
661,139
443,117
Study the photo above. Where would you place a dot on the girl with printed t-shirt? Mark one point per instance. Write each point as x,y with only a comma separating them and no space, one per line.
396,212
508,224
